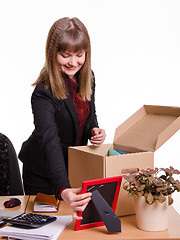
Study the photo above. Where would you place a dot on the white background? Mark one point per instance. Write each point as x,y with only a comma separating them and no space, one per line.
135,57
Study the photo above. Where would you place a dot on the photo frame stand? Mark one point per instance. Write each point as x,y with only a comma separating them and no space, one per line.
110,219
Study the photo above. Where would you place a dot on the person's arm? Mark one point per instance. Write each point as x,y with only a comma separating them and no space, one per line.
97,135
44,107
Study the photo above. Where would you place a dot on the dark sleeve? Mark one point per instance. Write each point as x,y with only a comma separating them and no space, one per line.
92,121
44,107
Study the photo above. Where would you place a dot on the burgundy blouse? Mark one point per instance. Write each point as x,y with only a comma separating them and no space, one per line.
82,107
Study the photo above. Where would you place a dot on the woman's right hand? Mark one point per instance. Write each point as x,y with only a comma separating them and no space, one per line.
76,200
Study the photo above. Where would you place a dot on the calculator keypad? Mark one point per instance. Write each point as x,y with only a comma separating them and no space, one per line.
32,220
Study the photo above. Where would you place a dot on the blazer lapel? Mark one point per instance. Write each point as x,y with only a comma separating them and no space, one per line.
69,103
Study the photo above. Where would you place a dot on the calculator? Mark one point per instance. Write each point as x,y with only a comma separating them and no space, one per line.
31,220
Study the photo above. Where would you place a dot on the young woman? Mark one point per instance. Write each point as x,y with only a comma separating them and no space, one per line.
64,114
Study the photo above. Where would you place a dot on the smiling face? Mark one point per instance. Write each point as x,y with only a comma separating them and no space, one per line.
71,62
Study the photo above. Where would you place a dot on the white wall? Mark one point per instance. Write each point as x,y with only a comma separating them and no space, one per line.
135,57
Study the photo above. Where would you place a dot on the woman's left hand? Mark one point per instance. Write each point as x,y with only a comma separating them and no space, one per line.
98,136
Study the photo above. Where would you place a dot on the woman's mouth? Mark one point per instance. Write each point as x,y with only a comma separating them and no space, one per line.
71,68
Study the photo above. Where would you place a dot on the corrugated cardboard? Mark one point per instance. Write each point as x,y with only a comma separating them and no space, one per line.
140,135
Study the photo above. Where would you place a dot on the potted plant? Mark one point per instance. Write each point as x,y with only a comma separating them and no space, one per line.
152,190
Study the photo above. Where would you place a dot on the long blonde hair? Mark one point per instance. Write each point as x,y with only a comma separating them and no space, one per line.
66,35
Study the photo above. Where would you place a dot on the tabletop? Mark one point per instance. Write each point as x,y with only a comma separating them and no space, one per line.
129,229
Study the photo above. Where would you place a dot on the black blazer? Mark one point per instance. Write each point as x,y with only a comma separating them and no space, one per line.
56,128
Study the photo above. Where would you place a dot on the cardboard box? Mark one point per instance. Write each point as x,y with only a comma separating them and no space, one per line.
140,135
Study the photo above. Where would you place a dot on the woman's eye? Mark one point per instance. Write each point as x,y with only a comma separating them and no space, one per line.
80,54
64,55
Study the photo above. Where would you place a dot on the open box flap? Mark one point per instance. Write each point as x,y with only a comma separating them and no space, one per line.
167,133
147,129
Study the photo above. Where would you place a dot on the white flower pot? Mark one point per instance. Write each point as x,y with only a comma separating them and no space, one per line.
151,217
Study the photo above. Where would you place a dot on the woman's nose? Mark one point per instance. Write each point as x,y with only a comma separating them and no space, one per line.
73,61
